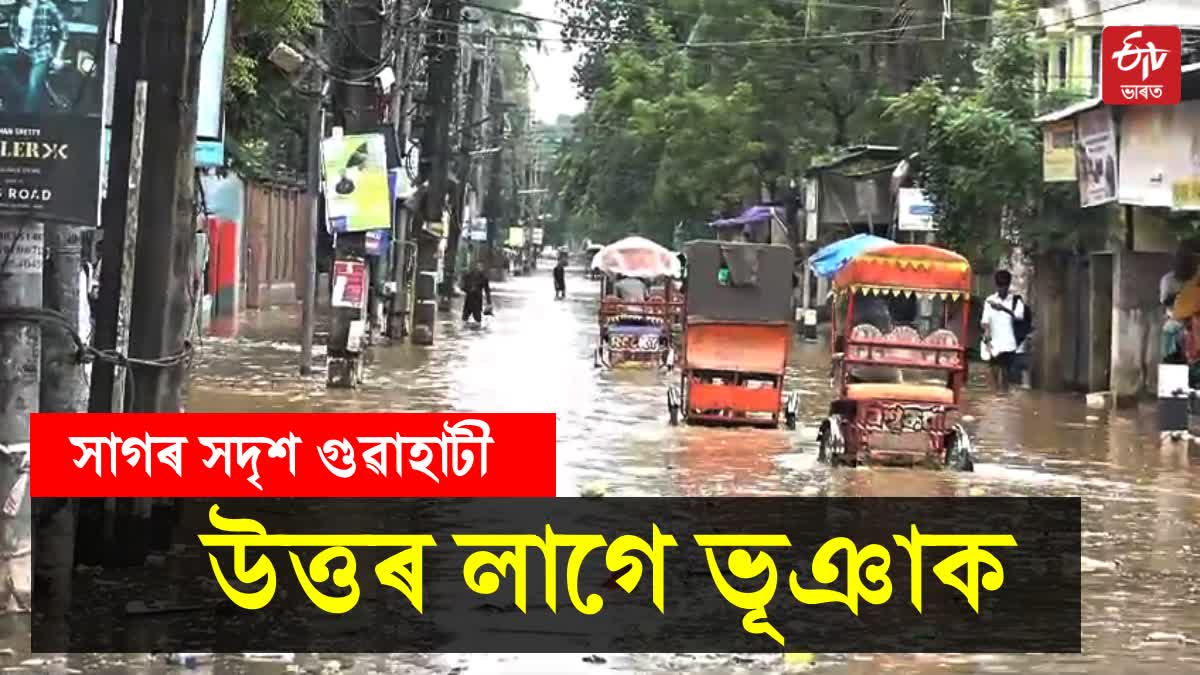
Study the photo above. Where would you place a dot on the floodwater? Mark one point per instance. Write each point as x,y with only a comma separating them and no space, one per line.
1141,503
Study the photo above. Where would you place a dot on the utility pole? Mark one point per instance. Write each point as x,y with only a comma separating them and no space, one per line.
443,53
162,306
21,260
316,132
402,112
355,113
470,67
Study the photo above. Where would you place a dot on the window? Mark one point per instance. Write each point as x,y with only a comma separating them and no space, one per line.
1062,66
1096,68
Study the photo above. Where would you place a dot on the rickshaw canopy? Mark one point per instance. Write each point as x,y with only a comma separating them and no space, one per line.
637,257
757,289
830,260
906,269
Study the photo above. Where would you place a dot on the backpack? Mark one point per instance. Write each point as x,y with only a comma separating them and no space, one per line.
1022,327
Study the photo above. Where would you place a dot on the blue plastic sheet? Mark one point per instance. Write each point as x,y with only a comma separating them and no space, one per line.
830,260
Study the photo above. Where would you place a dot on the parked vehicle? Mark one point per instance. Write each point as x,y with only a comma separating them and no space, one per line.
899,359
737,333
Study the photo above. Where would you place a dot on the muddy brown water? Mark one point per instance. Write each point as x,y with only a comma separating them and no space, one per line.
1141,540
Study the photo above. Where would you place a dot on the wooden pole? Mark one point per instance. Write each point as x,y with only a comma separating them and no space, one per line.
308,306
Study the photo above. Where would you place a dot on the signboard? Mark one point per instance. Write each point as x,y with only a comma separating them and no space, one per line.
357,189
478,231
811,191
1097,152
914,211
1185,194
516,237
1159,156
349,284
538,233
210,109
1058,152
52,119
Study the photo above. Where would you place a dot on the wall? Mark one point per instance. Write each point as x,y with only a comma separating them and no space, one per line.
275,214
224,197
1136,323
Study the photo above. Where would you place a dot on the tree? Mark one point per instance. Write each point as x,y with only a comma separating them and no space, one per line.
265,116
979,151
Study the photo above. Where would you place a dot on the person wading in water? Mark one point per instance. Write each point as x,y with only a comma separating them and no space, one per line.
476,286
560,280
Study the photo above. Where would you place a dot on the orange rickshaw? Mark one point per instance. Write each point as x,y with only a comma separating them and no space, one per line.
737,331
899,359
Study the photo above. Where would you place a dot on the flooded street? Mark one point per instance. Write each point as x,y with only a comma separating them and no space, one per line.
1141,540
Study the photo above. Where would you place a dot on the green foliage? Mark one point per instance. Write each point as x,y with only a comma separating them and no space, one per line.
265,116
980,153
698,108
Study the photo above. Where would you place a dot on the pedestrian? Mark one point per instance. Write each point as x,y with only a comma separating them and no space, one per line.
560,280
1001,311
1182,271
476,287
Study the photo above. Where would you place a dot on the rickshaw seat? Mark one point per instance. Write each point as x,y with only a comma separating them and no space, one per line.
916,393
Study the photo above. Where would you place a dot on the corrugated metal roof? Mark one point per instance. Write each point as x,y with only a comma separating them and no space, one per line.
1069,111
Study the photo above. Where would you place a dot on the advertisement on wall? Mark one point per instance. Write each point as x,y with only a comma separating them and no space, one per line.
1097,157
1058,152
1160,156
357,190
51,108
349,284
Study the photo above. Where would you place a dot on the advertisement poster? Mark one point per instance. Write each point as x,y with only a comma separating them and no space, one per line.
516,237
51,108
1160,156
914,211
538,234
349,284
1058,152
210,114
357,190
1097,150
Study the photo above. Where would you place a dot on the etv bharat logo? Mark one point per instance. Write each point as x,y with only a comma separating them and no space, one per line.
1142,65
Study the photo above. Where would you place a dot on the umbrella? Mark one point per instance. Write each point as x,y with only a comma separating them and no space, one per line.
831,259
637,257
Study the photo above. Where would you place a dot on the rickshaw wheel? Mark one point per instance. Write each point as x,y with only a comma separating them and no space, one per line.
958,450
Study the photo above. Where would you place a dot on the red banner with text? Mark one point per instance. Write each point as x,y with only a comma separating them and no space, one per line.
293,455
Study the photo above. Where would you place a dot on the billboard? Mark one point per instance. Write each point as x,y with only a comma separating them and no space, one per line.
357,189
1097,153
1058,152
1160,156
52,108
210,111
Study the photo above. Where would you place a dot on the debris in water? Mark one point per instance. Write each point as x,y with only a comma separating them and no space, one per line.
799,658
1087,564
1098,400
594,489
593,659
1159,636
189,659
269,657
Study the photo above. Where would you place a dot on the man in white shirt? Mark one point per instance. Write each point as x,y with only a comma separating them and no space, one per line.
1000,311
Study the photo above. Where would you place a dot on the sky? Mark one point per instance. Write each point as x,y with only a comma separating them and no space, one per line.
554,95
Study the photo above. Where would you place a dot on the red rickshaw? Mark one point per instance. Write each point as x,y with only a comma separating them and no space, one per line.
899,380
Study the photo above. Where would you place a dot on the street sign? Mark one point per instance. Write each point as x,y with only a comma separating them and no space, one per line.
915,211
